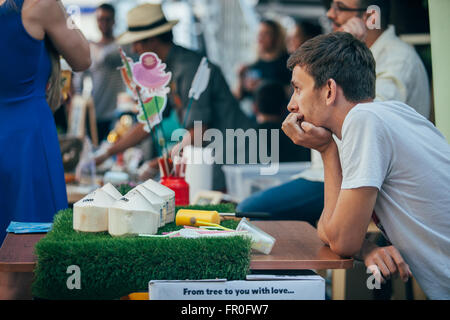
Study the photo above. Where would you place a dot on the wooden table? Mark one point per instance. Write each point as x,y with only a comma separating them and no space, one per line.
17,263
297,247
17,252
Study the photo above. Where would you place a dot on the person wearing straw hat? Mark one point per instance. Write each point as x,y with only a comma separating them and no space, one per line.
150,31
144,22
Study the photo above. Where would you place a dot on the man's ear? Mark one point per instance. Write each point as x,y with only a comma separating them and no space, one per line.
331,92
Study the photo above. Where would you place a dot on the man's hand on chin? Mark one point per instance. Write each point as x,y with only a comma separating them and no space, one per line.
305,134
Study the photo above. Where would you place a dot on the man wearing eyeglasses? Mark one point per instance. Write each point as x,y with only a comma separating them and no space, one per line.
400,73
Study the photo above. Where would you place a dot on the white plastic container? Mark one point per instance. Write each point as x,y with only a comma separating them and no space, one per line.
199,169
241,179
90,214
165,193
261,241
133,214
116,177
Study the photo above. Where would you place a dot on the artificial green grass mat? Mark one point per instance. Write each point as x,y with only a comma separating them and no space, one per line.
113,267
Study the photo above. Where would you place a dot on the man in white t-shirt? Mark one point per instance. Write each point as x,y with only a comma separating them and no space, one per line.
392,165
400,76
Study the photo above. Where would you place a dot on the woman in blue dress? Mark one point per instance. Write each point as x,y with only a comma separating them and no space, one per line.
32,186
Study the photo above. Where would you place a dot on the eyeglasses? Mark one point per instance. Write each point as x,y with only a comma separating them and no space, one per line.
340,7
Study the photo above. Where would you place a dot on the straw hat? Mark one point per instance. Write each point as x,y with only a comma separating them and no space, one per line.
145,21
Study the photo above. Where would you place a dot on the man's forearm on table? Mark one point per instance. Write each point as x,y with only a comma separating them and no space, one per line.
332,187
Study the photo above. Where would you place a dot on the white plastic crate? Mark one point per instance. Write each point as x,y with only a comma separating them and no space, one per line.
244,180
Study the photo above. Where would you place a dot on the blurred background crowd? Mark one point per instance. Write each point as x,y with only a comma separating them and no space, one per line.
250,41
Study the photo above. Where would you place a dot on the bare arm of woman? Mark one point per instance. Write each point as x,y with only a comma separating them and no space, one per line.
48,17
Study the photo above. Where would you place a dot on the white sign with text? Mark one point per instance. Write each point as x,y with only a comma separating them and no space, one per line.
268,288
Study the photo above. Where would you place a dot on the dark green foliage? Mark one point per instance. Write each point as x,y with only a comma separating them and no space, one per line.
112,267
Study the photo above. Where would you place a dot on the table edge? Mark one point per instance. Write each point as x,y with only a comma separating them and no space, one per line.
17,266
301,265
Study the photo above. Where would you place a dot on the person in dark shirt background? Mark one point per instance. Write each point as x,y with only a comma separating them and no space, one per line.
271,62
270,110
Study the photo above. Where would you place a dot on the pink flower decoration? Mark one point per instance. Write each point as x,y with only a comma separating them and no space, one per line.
150,73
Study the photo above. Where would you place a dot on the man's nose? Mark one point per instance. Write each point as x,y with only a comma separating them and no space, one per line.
331,13
292,106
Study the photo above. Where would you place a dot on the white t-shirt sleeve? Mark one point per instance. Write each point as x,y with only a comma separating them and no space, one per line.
366,150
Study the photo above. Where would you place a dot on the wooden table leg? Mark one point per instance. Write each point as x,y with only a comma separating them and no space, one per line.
338,284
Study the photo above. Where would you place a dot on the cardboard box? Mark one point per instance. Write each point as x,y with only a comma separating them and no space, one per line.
256,287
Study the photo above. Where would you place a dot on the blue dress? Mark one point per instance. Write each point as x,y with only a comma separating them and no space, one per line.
32,185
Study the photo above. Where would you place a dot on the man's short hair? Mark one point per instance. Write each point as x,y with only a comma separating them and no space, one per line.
107,7
341,57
